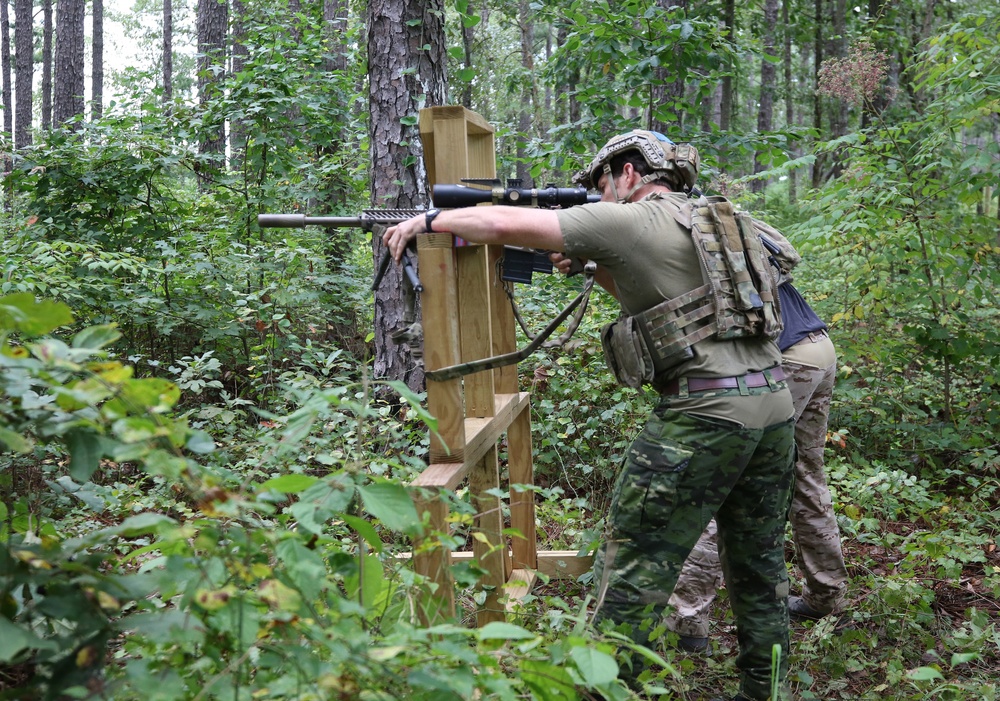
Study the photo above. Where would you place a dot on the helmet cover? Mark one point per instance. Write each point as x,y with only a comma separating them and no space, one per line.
677,163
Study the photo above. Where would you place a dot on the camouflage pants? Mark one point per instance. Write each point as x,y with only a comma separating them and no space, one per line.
814,524
681,471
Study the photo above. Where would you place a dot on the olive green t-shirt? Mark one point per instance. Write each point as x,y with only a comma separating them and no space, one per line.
651,258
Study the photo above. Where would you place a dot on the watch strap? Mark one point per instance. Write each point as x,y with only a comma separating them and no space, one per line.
429,220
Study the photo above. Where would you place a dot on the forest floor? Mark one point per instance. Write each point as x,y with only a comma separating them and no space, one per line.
861,653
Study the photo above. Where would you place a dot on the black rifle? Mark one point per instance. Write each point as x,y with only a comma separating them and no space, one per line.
517,266
519,262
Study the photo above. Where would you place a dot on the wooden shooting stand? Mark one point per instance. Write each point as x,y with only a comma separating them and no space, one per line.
466,316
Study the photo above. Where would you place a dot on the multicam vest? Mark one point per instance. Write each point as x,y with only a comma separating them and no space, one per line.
737,300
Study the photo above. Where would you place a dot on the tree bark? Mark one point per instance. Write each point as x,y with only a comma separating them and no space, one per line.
837,48
238,132
789,97
23,71
68,89
768,78
46,64
403,77
97,64
728,87
8,107
213,21
817,168
168,51
529,95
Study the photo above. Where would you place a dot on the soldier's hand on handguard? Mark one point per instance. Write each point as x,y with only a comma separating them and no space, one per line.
397,238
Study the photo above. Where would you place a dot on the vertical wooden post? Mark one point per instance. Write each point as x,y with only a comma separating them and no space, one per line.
522,503
441,344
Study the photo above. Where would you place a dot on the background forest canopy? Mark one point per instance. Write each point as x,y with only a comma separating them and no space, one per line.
202,467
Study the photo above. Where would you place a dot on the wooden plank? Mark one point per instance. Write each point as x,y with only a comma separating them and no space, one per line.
481,435
564,564
441,344
557,564
518,586
475,326
504,335
489,550
522,502
432,560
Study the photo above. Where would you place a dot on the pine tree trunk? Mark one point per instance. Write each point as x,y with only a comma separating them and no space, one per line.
168,51
46,64
768,77
238,133
8,107
837,48
397,31
528,101
23,72
728,88
68,92
97,64
213,21
789,97
817,168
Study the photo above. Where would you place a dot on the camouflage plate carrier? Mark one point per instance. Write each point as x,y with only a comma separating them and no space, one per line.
737,300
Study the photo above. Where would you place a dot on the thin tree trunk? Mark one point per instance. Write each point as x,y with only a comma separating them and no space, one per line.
97,65
529,96
817,168
468,41
23,72
789,98
837,48
238,132
768,77
728,88
8,107
168,51
46,64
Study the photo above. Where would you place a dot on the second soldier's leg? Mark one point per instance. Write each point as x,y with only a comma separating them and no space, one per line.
697,587
814,523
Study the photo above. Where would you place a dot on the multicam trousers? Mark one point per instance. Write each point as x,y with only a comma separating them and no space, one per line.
814,524
682,470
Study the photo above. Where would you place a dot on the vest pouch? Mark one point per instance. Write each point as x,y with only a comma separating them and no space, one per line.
626,353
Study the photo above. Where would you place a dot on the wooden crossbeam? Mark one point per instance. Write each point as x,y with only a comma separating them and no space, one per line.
481,434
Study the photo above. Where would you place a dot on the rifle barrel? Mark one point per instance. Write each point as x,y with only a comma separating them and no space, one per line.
297,221
366,220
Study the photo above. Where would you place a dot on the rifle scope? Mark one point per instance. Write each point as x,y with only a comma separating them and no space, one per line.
453,196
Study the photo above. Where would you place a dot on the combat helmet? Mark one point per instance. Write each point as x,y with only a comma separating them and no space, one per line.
676,163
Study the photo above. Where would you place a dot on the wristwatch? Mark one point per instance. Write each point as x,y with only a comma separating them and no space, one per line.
429,220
